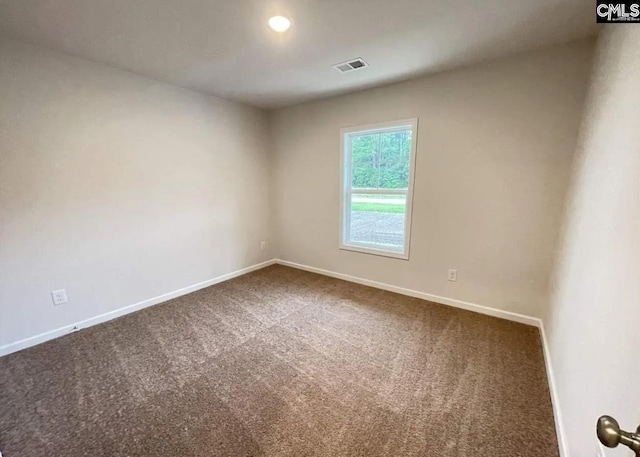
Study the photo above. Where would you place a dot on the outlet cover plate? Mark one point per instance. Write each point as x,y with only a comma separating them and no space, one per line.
59,297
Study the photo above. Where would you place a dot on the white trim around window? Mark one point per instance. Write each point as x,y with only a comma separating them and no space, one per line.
349,241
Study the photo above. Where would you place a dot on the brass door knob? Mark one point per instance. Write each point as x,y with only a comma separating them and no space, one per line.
610,435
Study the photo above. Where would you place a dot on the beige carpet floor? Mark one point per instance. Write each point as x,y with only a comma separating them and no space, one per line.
282,362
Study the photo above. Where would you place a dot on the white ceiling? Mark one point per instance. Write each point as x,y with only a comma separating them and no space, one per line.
224,47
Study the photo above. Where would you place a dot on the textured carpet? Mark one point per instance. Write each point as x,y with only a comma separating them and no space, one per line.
282,362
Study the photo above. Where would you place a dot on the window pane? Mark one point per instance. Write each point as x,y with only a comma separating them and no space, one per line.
394,175
381,160
364,158
379,220
395,151
395,145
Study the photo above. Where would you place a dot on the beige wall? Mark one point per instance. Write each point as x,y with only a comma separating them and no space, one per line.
593,325
118,188
495,144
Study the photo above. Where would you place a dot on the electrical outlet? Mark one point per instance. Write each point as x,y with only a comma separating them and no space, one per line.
59,296
263,245
453,275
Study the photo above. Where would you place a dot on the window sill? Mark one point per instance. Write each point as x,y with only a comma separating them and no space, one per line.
374,251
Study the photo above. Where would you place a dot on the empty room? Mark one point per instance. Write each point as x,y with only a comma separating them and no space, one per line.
362,228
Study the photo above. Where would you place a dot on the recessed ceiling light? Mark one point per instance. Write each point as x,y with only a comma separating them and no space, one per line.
279,23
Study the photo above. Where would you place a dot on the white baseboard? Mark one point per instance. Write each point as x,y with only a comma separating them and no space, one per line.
417,294
562,443
46,336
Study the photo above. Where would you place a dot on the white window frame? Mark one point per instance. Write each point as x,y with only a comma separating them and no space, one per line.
346,190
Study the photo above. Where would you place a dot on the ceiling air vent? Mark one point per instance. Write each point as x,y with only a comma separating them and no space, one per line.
351,65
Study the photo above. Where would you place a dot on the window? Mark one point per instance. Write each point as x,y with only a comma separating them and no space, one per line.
378,163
